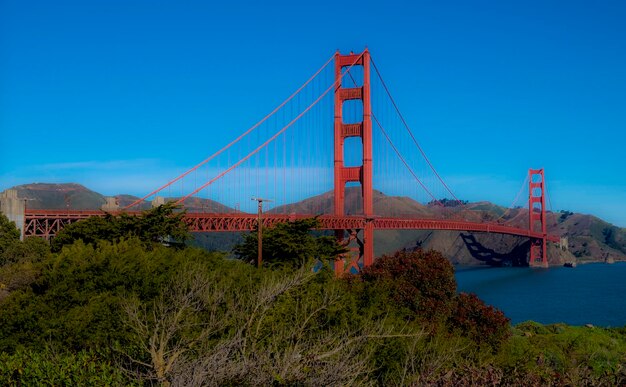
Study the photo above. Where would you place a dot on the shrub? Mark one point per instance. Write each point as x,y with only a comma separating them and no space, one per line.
73,301
421,281
37,368
482,323
9,234
32,250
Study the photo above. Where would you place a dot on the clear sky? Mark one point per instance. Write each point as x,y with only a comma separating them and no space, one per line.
120,95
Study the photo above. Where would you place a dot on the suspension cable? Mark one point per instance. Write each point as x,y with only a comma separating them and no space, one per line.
411,134
235,140
547,193
332,86
519,193
396,149
404,161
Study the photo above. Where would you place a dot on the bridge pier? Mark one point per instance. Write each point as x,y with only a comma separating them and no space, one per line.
13,208
538,253
111,205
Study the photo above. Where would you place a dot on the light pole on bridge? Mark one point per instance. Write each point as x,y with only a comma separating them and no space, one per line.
259,258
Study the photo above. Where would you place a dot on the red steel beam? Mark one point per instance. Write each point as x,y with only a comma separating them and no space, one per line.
46,223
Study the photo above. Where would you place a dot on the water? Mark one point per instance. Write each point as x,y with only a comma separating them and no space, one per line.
588,294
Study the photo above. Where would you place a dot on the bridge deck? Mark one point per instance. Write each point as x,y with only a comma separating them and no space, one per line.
46,223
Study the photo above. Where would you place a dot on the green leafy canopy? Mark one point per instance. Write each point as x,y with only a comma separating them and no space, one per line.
162,224
291,243
9,234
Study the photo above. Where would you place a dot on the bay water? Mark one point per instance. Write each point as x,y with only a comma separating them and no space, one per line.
587,294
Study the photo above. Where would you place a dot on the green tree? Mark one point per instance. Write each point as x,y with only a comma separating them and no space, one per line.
290,243
161,224
9,234
72,298
32,249
20,264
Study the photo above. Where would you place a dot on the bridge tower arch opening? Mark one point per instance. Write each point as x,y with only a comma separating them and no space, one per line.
348,174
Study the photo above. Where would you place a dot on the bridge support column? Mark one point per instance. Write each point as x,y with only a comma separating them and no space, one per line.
111,205
158,201
361,174
537,217
13,208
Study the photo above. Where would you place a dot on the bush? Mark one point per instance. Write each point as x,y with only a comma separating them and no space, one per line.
482,323
421,281
32,250
37,368
9,234
73,297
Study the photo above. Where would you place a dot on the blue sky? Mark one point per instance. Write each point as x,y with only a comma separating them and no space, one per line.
123,95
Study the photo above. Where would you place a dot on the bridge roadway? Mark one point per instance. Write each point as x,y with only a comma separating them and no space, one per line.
46,223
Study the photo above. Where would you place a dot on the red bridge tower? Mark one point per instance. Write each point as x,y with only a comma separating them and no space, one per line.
537,217
363,173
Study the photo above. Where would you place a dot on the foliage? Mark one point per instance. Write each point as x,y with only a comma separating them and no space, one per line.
98,312
9,234
19,264
483,323
161,224
445,202
289,328
32,249
423,284
612,236
37,368
73,301
565,355
291,243
565,214
422,281
17,276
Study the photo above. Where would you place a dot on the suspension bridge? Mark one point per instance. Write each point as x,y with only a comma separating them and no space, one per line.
346,107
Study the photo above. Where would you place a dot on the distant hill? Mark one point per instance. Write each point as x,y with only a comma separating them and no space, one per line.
77,197
58,196
383,205
204,205
590,238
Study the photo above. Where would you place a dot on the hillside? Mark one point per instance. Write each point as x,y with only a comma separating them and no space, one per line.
383,205
590,238
77,197
57,196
